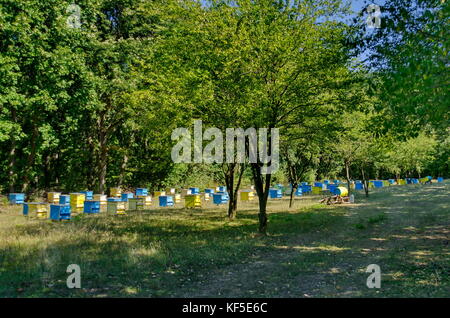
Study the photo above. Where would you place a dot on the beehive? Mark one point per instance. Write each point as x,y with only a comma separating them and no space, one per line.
391,181
185,192
298,192
177,197
194,190
147,200
275,193
64,199
157,194
37,209
247,195
141,192
386,183
136,204
221,189
342,191
116,207
115,192
192,201
415,181
171,191
165,200
88,195
306,188
16,198
209,191
359,186
91,206
440,179
317,190
102,198
77,202
59,212
332,187
126,196
220,198
53,197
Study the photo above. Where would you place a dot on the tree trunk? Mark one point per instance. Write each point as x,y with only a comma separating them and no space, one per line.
123,168
30,161
262,186
12,156
293,190
229,181
102,162
366,185
347,175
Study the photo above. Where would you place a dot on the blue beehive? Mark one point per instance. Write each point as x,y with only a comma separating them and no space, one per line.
165,200
220,198
306,188
275,193
64,199
91,207
378,183
16,198
141,192
440,179
415,181
113,199
332,188
359,186
391,181
336,181
298,192
25,209
209,191
126,196
222,189
318,184
326,181
59,212
194,190
88,194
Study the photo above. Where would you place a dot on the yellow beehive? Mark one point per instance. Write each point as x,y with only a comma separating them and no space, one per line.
77,201
185,192
247,195
53,197
157,194
206,196
115,192
116,207
192,201
316,190
171,191
177,198
102,198
147,200
40,210
401,181
386,183
136,204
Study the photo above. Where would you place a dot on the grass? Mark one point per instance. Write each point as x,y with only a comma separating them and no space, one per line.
312,250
